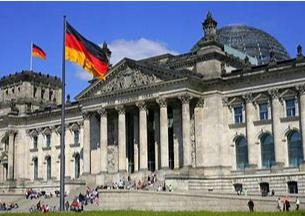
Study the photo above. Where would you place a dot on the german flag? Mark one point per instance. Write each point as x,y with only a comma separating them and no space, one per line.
90,56
38,52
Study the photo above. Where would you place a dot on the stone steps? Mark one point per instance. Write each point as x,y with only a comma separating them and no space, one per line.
169,201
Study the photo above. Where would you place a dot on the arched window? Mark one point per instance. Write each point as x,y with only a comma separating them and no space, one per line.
241,152
295,150
35,163
77,166
267,148
49,168
48,140
76,137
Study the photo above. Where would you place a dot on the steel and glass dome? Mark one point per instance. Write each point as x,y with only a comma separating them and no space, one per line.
251,41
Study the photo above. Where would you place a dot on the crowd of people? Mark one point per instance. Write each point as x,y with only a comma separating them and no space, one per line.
42,207
150,183
282,204
8,206
32,194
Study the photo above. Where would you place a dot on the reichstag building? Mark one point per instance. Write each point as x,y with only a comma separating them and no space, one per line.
228,115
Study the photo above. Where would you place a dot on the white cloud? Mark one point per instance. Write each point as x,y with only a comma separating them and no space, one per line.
137,49
83,75
134,49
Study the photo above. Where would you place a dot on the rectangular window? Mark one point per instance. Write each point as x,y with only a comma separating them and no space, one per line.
238,115
35,142
76,137
263,111
290,107
48,140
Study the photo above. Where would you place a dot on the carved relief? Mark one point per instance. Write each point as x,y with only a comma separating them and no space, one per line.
112,159
129,78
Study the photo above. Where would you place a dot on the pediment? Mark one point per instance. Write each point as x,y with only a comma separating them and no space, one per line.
128,74
128,78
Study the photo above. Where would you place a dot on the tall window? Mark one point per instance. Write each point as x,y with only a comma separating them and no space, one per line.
49,168
241,152
238,114
77,165
35,161
290,107
295,150
48,137
42,93
267,145
263,111
35,142
76,137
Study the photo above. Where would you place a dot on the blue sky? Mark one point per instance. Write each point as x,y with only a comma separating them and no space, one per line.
132,29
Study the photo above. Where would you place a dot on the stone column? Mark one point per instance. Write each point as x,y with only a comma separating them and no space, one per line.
163,133
122,138
143,135
199,136
276,127
301,90
11,154
86,144
136,142
250,130
157,138
186,130
177,136
103,139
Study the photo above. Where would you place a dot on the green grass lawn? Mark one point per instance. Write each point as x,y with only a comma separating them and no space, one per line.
151,213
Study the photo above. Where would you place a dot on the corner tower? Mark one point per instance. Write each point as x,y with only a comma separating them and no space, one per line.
27,91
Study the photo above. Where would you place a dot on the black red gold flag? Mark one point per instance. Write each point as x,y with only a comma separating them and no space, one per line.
38,52
90,56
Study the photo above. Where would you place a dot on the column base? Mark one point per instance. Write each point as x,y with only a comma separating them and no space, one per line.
86,173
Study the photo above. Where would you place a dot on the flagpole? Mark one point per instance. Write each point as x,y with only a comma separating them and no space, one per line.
62,144
31,60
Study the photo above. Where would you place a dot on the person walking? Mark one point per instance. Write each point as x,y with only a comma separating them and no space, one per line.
279,204
297,203
251,205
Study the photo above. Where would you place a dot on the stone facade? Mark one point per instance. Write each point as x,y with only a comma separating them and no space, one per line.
201,120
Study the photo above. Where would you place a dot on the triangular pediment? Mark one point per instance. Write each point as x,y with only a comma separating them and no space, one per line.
128,74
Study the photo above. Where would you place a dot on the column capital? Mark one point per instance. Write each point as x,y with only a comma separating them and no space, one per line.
274,93
120,109
102,112
162,102
185,98
300,89
86,114
141,105
248,97
11,132
200,102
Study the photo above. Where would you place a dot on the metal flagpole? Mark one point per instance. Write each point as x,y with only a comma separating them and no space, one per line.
62,140
31,60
